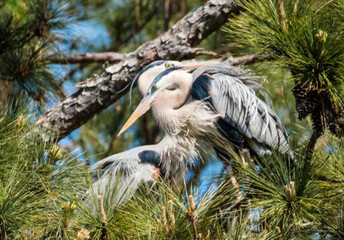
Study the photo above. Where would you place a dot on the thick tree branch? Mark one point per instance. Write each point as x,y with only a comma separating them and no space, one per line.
111,57
99,92
92,57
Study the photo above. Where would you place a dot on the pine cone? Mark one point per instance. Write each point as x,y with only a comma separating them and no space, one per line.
326,116
305,101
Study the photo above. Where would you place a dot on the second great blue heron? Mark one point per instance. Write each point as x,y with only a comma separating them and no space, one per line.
122,173
217,103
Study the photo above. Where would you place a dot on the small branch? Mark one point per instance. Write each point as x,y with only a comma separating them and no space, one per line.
164,219
235,61
111,57
57,86
247,59
193,216
104,221
311,146
308,157
283,15
171,216
239,195
102,211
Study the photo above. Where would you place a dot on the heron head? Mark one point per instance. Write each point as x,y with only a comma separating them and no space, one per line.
149,72
162,76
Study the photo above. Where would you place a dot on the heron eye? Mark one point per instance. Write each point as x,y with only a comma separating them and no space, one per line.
167,65
154,87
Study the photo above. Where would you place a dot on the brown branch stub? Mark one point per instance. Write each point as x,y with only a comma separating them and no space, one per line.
176,43
193,216
164,219
283,15
171,215
235,184
102,210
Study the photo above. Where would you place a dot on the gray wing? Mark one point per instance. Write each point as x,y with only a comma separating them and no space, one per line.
124,172
231,93
130,161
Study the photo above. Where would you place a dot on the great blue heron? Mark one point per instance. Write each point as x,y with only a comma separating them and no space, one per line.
217,103
169,159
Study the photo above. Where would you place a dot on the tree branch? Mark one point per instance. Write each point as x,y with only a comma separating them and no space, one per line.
247,59
99,92
111,57
234,61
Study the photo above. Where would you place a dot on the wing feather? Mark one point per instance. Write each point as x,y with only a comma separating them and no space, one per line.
234,100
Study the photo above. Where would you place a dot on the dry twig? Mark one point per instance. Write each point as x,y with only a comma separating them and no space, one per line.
193,216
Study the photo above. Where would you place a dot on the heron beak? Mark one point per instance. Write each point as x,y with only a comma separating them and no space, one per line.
192,66
141,109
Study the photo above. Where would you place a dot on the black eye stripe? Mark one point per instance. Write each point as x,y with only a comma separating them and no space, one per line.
160,75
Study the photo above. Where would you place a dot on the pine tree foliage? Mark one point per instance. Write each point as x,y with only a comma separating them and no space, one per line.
304,37
25,40
36,177
47,194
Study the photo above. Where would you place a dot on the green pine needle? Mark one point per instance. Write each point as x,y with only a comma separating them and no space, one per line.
304,36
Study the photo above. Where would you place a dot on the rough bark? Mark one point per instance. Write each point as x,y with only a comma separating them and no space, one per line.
97,93
111,57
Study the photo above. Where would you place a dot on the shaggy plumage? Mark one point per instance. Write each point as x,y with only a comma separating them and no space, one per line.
217,103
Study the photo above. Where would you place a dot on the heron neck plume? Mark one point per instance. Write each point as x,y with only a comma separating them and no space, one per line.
176,153
169,107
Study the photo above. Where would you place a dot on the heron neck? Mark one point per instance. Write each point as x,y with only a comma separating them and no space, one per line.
170,110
